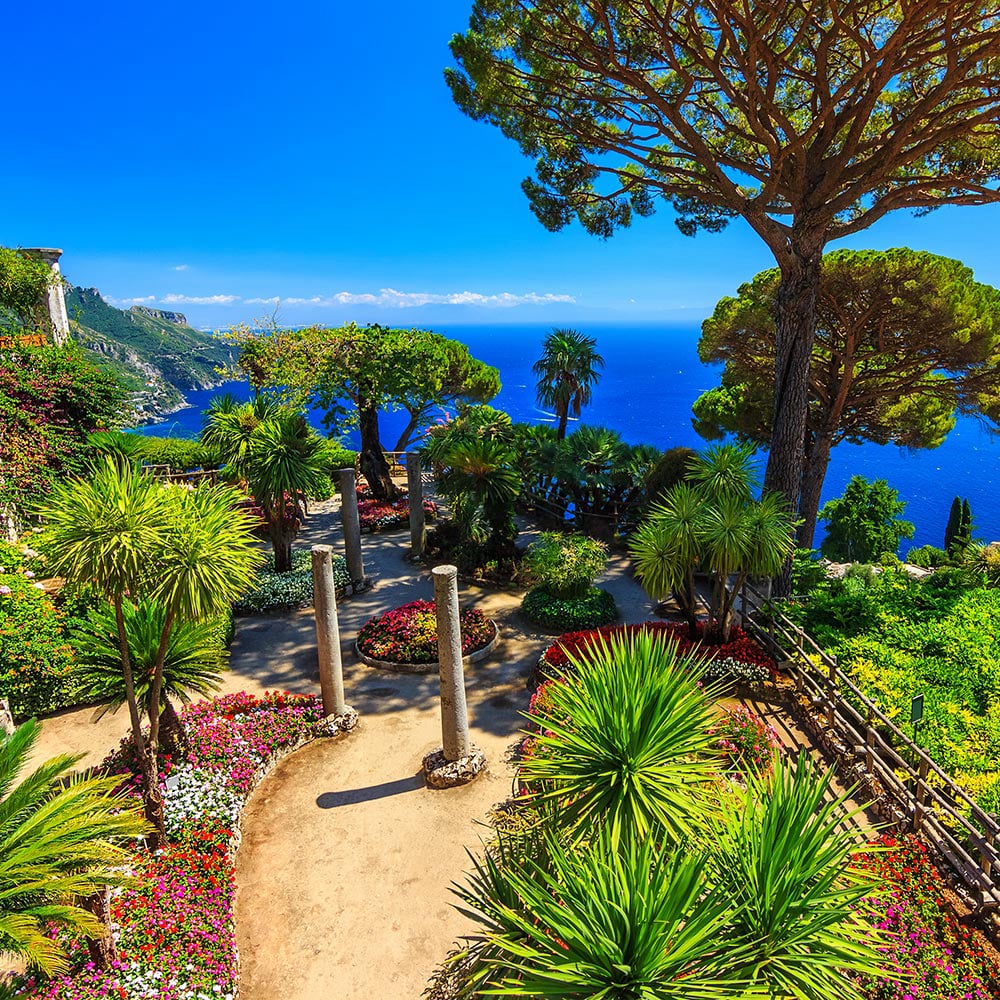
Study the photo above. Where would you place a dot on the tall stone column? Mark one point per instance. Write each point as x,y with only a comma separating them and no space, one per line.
56,296
457,761
331,668
351,522
415,488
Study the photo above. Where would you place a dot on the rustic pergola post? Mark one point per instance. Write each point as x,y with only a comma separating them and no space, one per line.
351,523
331,668
56,300
415,489
457,761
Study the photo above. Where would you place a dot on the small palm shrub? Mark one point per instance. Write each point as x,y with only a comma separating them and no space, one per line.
592,609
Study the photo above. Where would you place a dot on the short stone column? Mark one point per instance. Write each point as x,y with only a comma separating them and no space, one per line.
457,761
7,726
351,523
56,296
331,668
415,489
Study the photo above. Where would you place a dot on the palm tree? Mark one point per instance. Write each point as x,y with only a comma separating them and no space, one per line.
567,372
712,523
59,843
131,538
274,452
482,485
625,743
192,664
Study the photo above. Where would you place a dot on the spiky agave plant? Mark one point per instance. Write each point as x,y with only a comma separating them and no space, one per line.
620,921
625,742
781,853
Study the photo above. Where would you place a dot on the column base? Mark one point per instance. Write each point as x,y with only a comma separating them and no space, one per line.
440,772
338,725
358,586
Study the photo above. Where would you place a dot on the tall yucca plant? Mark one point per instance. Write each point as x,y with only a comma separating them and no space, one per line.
617,921
781,853
625,744
58,842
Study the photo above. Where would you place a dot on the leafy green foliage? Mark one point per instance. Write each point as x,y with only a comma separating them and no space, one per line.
24,286
51,399
864,522
178,454
59,842
927,556
567,372
590,609
566,565
671,469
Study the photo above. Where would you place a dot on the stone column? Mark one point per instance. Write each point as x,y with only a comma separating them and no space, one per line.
352,527
56,296
458,761
415,488
331,669
7,726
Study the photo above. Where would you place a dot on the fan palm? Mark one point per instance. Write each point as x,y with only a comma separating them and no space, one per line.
130,537
58,842
567,372
192,663
625,742
781,853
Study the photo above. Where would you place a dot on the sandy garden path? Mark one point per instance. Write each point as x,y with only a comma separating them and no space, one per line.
347,856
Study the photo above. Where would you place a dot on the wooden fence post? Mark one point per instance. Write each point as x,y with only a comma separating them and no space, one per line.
870,747
921,794
831,709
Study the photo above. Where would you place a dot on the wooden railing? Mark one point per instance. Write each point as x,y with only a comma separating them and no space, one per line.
164,474
909,788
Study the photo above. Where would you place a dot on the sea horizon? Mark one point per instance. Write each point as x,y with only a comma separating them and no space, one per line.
651,378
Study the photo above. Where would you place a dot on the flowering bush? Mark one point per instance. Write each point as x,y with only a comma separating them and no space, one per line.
747,740
378,514
933,956
590,609
741,649
174,924
274,591
36,658
408,634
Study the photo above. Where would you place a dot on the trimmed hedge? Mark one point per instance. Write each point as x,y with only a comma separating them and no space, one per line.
566,614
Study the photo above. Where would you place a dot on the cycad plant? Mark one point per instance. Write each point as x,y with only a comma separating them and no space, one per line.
624,743
713,525
192,663
60,843
567,372
131,538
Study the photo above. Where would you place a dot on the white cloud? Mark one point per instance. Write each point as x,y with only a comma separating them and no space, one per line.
199,300
125,303
181,267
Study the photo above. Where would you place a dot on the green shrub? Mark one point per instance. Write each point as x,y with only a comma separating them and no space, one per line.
928,556
36,658
671,468
865,522
276,591
566,565
594,608
337,457
181,454
807,571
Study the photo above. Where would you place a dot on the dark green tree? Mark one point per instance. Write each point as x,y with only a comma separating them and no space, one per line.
954,525
865,522
567,372
965,531
810,121
904,340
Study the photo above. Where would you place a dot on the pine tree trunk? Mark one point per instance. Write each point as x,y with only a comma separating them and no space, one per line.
374,467
796,332
817,462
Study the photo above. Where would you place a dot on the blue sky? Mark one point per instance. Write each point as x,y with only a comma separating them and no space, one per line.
201,156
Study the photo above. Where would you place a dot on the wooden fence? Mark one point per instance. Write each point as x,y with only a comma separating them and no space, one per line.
164,473
906,787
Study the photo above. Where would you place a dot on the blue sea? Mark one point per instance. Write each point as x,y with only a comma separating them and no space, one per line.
652,375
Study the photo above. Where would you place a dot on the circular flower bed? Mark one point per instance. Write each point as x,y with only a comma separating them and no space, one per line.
740,659
377,515
560,614
407,636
